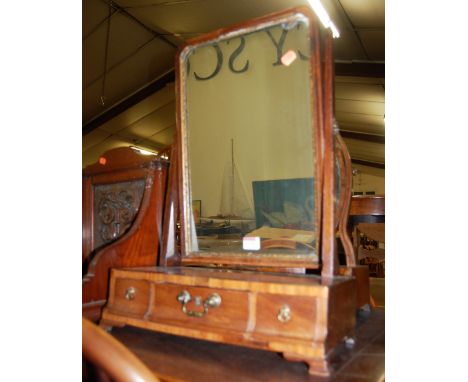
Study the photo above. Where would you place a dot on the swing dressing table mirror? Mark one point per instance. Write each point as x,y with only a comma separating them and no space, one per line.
255,145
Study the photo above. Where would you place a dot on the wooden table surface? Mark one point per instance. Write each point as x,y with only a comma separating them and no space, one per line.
174,358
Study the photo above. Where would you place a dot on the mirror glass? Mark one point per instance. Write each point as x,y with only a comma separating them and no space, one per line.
338,180
249,142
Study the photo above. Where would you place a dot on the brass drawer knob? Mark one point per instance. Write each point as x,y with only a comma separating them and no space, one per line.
184,297
213,301
284,314
130,293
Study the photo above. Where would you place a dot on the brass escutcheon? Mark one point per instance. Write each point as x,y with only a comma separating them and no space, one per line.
284,314
130,293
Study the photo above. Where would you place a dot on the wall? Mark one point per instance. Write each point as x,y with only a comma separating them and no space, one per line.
369,179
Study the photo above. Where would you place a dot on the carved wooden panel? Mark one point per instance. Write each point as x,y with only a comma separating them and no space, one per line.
115,208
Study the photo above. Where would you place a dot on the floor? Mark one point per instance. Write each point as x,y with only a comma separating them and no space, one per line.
174,358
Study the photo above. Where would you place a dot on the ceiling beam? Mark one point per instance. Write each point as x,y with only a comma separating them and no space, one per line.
118,8
341,69
128,102
353,28
360,69
368,163
363,136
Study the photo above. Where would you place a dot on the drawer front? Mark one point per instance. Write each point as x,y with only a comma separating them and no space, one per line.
232,312
131,296
292,316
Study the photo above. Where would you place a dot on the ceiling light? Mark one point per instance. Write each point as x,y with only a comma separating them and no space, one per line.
143,151
322,14
335,31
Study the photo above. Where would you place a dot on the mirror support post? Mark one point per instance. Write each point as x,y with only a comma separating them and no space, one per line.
329,255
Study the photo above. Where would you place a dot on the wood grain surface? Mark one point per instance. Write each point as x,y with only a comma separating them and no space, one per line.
174,358
367,205
140,244
111,357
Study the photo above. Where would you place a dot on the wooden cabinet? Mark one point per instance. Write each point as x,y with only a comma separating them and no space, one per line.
269,312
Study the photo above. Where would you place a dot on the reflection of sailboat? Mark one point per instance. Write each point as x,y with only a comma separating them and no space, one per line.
234,202
236,214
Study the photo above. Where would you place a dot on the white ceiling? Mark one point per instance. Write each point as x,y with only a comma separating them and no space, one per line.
143,39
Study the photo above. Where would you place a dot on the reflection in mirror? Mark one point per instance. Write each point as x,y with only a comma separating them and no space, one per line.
250,142
338,180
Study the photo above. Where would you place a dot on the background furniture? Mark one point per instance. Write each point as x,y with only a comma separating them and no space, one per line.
367,216
371,237
122,213
368,209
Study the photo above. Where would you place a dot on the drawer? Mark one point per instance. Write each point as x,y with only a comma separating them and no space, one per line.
291,316
130,296
232,312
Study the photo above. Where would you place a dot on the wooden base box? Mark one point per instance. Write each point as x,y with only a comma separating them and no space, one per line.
304,317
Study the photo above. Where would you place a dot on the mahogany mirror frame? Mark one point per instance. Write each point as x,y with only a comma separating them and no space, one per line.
176,220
